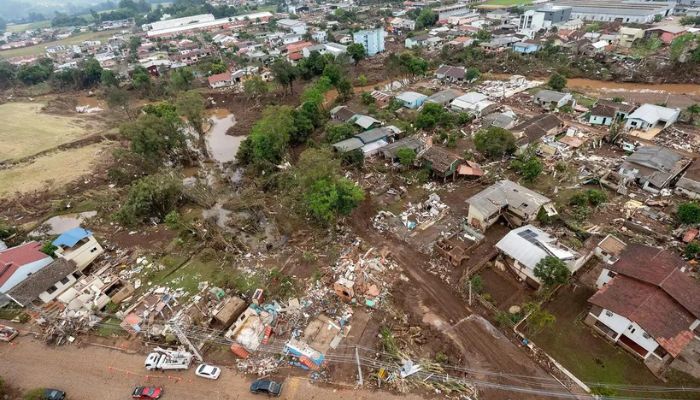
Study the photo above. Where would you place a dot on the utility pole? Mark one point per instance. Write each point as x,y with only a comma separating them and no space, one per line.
359,368
470,292
186,341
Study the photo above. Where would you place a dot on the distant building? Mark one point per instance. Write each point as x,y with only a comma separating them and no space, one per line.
452,10
555,14
292,25
628,36
640,12
371,39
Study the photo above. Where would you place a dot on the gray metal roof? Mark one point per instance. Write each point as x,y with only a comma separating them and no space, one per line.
349,144
375,134
507,193
444,96
528,245
550,96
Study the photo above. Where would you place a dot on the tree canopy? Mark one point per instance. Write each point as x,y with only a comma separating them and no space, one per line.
552,271
495,142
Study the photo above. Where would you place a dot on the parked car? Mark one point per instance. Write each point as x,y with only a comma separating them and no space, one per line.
265,386
54,394
208,371
147,392
7,333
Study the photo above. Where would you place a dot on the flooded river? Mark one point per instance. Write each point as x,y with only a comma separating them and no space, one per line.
222,147
604,86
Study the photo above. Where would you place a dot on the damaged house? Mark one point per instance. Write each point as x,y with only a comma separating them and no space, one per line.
651,116
45,284
653,168
689,183
552,100
533,129
517,204
524,247
441,162
647,304
78,245
19,262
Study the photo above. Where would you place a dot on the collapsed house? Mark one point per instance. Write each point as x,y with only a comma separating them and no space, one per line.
517,204
369,142
45,284
78,245
523,248
651,116
441,162
654,168
533,129
647,304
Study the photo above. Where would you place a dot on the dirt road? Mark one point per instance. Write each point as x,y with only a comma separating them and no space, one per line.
91,373
488,355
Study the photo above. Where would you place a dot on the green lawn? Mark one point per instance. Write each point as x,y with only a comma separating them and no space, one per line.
591,358
40,48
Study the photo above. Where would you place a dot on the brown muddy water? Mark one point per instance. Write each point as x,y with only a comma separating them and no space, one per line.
222,147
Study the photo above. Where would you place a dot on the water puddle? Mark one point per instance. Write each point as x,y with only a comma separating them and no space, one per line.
61,223
222,147
219,214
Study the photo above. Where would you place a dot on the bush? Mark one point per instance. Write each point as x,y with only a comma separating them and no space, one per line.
48,248
689,213
596,197
151,197
495,142
34,394
477,284
406,156
557,82
692,250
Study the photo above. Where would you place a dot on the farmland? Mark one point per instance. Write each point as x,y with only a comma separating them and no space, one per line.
40,48
29,26
21,139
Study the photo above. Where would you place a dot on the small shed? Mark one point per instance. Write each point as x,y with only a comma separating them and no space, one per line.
232,309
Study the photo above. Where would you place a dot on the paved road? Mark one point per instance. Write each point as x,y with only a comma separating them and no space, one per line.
90,373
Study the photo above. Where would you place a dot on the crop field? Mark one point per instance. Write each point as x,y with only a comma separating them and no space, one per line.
40,48
50,171
26,130
32,25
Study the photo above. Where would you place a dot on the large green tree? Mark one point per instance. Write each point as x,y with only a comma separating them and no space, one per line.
495,142
153,196
269,138
552,271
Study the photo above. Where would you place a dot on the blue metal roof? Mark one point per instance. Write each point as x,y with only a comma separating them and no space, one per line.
71,237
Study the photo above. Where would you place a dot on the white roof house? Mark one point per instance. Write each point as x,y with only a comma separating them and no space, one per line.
528,245
473,101
652,116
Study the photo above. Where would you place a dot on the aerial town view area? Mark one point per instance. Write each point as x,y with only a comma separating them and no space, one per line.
349,199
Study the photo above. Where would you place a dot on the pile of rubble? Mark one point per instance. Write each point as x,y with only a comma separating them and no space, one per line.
416,216
363,278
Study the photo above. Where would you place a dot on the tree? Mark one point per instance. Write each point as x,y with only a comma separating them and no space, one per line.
557,81
108,78
658,18
191,106
472,74
483,35
269,138
367,98
692,250
153,196
538,318
357,51
91,73
35,73
426,18
406,156
495,142
255,88
431,115
181,79
552,271
689,213
344,89
141,79
528,166
693,111
329,198
596,197
339,132
154,137
7,74
285,74
118,98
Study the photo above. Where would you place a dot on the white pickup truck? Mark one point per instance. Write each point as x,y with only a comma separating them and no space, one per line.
165,360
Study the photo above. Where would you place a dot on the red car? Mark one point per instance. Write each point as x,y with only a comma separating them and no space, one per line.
147,392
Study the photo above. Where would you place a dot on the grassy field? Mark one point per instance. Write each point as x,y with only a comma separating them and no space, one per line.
40,48
26,131
51,171
592,359
32,25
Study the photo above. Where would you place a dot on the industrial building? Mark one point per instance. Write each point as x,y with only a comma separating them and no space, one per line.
617,10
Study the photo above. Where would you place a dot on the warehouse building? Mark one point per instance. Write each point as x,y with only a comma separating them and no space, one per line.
617,10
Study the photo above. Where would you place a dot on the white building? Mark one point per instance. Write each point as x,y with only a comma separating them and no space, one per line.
371,39
650,116
78,245
292,25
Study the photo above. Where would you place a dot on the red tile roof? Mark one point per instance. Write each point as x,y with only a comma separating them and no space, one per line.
13,258
660,268
222,77
651,308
